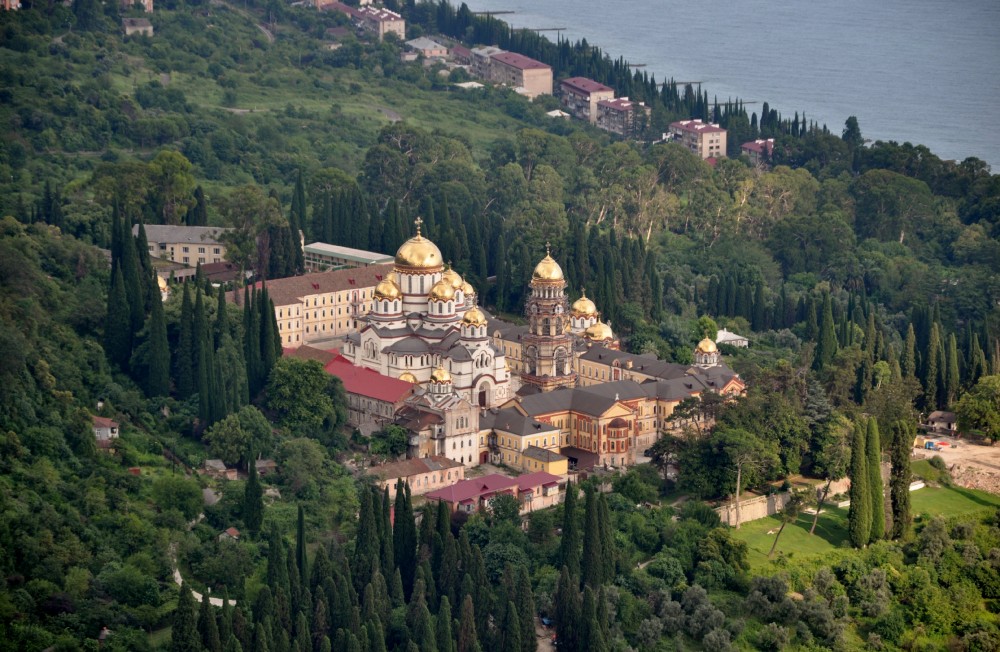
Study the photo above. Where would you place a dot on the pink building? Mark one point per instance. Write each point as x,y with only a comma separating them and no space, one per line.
533,490
758,151
706,139
580,97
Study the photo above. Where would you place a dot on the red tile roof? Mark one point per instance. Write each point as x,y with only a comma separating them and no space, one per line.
368,383
585,86
758,146
306,352
467,490
618,104
519,61
233,532
103,422
529,481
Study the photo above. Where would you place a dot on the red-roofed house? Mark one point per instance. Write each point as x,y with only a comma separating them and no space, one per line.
229,534
581,95
105,432
521,72
705,139
371,397
533,491
758,151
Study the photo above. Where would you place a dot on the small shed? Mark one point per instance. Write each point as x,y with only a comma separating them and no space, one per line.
732,339
229,534
133,26
266,467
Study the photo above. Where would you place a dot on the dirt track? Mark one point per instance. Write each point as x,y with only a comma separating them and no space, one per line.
972,465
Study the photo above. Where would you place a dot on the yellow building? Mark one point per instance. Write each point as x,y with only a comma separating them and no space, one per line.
514,439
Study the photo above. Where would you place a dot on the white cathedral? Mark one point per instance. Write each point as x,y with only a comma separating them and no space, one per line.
424,327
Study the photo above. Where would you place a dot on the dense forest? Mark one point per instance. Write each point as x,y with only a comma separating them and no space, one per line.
866,274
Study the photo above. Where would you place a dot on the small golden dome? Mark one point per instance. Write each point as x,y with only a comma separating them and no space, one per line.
440,375
599,331
707,346
442,291
387,289
452,277
547,270
583,307
467,289
161,283
418,252
408,377
474,317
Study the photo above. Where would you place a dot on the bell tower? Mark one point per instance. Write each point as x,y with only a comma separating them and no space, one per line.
548,346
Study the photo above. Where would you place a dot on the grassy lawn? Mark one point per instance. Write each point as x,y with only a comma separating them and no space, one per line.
831,532
159,638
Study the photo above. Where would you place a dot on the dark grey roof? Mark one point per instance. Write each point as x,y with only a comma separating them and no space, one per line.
542,455
408,345
192,234
512,421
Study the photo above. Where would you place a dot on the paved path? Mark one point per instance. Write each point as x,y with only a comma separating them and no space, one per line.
215,602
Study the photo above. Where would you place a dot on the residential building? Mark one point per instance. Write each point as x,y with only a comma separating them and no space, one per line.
218,469
229,534
427,48
382,21
731,339
10,5
529,77
322,257
940,422
321,306
105,432
705,139
147,5
265,467
533,491
481,61
579,96
133,26
423,325
758,151
461,54
621,116
422,474
190,245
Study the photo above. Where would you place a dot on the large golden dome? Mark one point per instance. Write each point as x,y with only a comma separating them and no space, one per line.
418,252
707,346
547,270
387,289
599,332
440,375
453,278
474,317
442,291
467,289
583,307
408,377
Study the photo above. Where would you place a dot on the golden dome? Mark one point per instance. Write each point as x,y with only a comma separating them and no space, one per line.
452,277
387,289
599,331
547,270
161,283
583,307
467,289
707,346
418,252
440,375
408,377
442,291
474,317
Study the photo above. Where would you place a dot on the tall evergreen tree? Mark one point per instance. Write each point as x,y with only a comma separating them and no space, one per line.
604,529
445,639
301,561
908,364
525,601
158,378
404,536
208,627
900,475
591,564
826,346
468,641
509,635
568,611
592,632
132,276
873,448
569,544
184,632
184,358
859,518
951,376
253,497
931,369
117,334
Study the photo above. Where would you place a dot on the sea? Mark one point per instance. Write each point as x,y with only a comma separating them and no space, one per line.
919,71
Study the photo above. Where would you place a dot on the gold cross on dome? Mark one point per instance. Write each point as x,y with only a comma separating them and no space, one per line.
418,222
547,251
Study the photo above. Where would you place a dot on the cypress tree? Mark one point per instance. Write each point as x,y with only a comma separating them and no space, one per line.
208,627
525,601
184,360
951,376
198,216
117,334
873,447
445,640
567,611
301,560
268,352
385,533
366,544
158,380
608,550
759,309
253,498
900,474
826,346
468,641
591,564
133,285
184,633
812,321
233,645
510,629
860,513
977,361
592,632
931,369
908,364
221,319
404,537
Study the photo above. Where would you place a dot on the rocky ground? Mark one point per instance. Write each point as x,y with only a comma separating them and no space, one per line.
973,466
